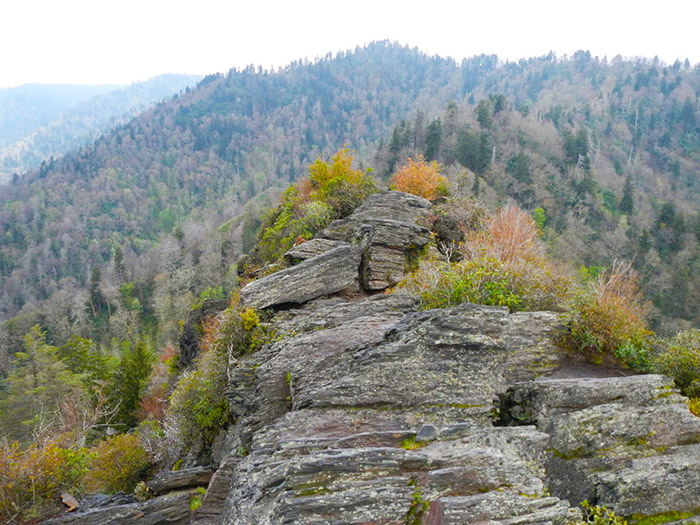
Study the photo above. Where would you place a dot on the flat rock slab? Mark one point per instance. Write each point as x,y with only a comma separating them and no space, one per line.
324,274
312,248
181,479
500,507
171,509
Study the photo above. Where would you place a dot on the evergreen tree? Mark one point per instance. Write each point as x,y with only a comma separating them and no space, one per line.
134,369
484,113
432,140
627,202
118,258
36,389
519,167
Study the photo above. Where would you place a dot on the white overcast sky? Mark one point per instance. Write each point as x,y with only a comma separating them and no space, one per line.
119,42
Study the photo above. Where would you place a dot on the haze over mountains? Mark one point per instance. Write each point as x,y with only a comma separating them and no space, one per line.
40,121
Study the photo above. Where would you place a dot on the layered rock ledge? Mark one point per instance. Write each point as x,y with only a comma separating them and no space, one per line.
367,410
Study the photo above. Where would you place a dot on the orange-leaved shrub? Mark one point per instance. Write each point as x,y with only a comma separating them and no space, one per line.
609,317
502,263
117,464
32,480
420,178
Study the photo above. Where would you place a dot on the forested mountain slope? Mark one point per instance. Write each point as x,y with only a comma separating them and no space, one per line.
607,153
39,122
207,151
607,150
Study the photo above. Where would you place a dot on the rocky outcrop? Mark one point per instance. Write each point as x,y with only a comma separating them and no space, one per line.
364,409
324,274
171,509
628,443
309,249
180,479
390,227
370,407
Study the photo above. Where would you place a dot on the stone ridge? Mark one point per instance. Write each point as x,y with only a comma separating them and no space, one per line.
371,411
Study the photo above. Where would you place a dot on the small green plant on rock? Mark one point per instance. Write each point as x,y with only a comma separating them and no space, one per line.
418,507
196,500
597,515
410,443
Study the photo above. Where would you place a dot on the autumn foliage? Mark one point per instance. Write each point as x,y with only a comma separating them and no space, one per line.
610,314
420,178
501,262
32,480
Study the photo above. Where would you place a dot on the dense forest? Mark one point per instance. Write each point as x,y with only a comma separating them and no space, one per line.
107,252
607,149
38,122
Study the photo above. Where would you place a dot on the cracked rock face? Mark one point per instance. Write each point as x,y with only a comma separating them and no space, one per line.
627,443
390,227
370,406
371,411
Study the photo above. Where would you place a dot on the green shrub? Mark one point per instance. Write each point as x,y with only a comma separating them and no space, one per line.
501,264
331,191
597,515
209,293
608,317
118,463
679,358
440,284
635,356
32,480
198,405
198,408
694,406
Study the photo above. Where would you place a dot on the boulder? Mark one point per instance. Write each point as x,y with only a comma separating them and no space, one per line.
321,275
629,443
389,227
309,249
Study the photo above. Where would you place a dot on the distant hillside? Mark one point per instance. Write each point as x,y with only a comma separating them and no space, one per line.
608,150
41,121
25,108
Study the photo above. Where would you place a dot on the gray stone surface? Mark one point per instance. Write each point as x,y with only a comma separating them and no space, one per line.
332,421
629,443
171,509
181,479
390,227
312,248
324,274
